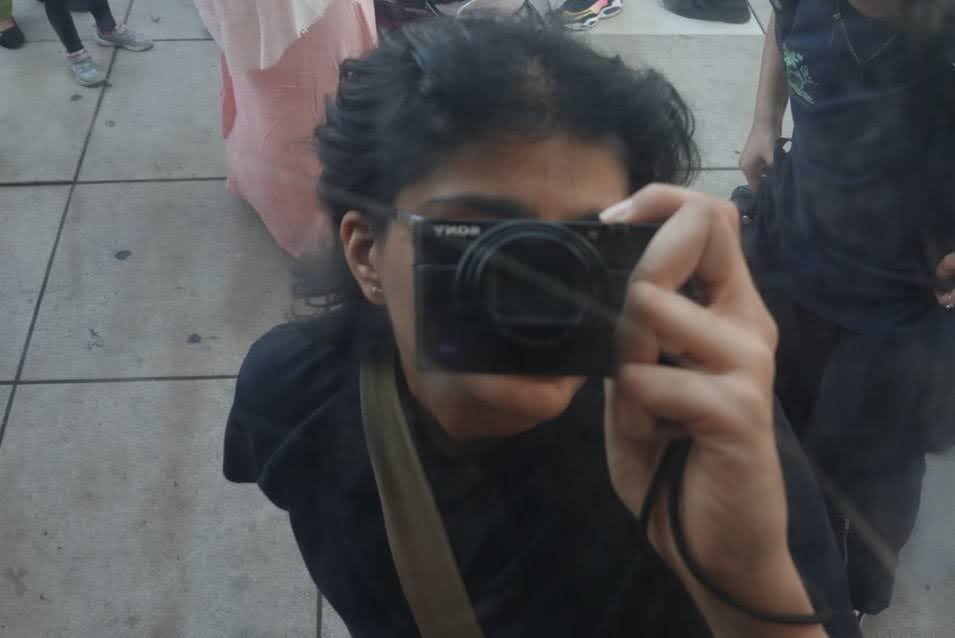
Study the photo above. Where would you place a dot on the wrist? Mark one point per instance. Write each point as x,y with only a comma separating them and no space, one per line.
772,587
769,122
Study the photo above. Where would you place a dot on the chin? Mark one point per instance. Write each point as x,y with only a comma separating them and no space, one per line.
534,399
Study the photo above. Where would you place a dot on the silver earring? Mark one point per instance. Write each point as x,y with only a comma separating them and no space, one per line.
376,290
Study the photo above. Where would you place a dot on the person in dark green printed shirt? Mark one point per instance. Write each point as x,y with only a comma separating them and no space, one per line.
853,248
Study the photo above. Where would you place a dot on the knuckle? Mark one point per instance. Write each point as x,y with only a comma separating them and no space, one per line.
654,190
757,356
721,210
753,399
639,294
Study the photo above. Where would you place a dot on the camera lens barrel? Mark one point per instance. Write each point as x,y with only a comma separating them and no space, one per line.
535,282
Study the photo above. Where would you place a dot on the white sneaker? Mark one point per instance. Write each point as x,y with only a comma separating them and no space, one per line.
84,69
124,38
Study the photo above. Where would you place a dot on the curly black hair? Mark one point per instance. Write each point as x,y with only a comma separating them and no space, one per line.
440,86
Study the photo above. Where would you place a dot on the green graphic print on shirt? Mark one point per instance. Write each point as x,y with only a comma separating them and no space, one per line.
800,79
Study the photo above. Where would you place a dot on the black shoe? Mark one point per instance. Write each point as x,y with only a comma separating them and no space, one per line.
732,11
12,38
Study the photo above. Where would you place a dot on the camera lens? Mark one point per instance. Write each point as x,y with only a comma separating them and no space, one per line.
534,282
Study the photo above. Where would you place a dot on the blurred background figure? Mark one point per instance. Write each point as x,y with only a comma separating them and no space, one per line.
109,33
853,246
732,11
280,59
11,37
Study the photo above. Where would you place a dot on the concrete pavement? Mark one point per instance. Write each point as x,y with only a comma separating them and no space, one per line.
132,285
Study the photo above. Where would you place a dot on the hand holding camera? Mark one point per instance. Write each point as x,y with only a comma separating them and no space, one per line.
733,499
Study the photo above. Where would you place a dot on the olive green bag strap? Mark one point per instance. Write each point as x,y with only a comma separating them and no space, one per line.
418,540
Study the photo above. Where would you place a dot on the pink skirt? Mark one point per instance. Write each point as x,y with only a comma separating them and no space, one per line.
268,118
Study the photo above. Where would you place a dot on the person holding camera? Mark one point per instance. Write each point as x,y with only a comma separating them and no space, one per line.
598,496
852,245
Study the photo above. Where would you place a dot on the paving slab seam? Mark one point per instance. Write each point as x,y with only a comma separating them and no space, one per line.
149,180
79,381
61,182
53,249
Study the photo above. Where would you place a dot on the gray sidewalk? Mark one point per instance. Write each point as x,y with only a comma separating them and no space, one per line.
132,285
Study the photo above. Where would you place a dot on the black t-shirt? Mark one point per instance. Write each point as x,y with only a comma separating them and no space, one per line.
868,205
543,544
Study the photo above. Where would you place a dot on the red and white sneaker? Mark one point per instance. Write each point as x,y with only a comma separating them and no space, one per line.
583,15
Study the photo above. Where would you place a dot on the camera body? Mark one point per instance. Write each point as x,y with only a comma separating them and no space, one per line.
521,297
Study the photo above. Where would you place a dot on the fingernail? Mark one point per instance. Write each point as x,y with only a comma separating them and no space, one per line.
616,212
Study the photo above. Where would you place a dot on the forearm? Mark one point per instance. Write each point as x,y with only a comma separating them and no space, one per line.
773,93
778,589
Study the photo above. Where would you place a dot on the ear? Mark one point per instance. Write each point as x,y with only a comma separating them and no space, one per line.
361,250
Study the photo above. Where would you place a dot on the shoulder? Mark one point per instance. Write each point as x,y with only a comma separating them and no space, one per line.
290,364
288,378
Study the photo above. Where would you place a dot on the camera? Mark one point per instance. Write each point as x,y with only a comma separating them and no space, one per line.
521,297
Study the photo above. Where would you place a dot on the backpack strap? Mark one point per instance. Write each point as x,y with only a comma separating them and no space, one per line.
419,544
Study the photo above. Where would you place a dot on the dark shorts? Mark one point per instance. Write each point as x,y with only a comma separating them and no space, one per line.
866,408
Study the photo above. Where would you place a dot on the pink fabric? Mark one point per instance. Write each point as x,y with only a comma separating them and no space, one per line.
268,117
254,34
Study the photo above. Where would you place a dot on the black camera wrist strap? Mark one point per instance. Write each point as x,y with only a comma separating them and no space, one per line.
670,471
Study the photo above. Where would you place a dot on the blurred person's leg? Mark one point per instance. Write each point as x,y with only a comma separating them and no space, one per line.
78,60
58,13
11,37
113,33
888,505
99,9
884,402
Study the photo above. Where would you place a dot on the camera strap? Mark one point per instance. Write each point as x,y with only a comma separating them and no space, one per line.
419,543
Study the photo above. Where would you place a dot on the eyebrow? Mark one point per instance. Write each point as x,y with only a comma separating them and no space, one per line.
497,207
494,207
